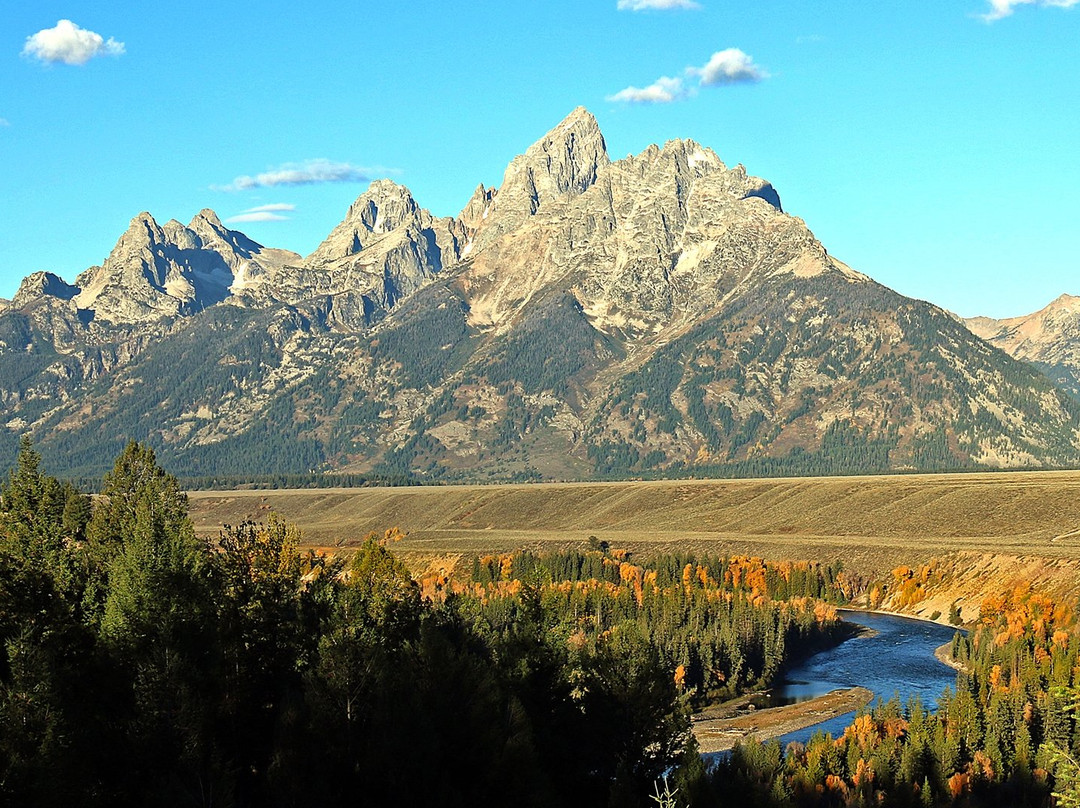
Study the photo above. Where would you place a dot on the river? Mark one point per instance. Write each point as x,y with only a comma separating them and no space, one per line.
897,660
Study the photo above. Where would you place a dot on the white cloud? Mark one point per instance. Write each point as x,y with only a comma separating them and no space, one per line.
730,66
70,44
662,91
310,172
263,213
999,9
276,207
661,5
257,216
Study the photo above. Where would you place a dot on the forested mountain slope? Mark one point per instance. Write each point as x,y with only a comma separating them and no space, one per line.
655,315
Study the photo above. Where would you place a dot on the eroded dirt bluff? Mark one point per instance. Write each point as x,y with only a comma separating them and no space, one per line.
970,579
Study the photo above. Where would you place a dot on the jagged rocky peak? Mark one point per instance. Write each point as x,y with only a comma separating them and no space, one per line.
1062,309
140,239
164,270
1065,304
564,162
42,284
1048,335
767,192
235,246
683,156
383,208
205,218
566,159
179,236
747,187
208,227
142,231
686,160
478,207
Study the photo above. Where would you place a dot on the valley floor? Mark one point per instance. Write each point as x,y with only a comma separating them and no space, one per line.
869,522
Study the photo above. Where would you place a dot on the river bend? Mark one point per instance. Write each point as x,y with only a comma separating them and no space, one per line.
897,660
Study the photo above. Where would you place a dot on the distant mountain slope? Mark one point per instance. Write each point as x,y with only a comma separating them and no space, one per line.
659,314
1048,339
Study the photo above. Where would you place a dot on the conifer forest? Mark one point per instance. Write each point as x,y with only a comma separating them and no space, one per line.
142,665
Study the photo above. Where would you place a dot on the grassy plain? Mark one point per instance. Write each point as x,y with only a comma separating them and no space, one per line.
870,522
998,530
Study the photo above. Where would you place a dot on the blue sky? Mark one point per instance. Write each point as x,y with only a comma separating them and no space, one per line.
932,145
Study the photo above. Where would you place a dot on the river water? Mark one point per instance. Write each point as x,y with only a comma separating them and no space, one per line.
897,660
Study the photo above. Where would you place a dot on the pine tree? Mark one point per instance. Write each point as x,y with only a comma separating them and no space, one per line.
157,617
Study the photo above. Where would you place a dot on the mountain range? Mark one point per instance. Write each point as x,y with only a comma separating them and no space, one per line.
655,315
1049,339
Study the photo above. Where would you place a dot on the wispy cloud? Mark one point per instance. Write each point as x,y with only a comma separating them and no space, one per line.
662,91
263,213
274,208
4,122
69,44
262,216
659,5
309,172
999,9
725,67
730,66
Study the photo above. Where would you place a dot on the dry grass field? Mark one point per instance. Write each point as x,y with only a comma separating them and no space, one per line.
869,522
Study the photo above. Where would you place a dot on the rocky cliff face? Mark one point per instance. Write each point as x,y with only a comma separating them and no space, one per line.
659,314
1048,339
386,248
638,241
158,271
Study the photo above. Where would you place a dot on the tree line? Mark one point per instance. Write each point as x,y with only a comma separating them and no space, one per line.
142,665
1006,735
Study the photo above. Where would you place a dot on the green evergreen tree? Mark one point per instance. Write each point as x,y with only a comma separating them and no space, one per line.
158,619
1064,763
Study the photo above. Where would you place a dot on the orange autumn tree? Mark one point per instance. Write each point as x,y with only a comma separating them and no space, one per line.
714,618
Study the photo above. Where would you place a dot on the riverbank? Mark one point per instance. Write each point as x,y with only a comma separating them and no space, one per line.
943,654
940,621
719,728
894,657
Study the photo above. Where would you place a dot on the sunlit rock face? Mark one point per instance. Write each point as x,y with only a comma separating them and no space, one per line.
656,314
157,271
1048,338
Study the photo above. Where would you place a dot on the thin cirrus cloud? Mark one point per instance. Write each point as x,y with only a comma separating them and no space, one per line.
274,208
67,43
657,5
726,67
310,172
263,213
999,9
